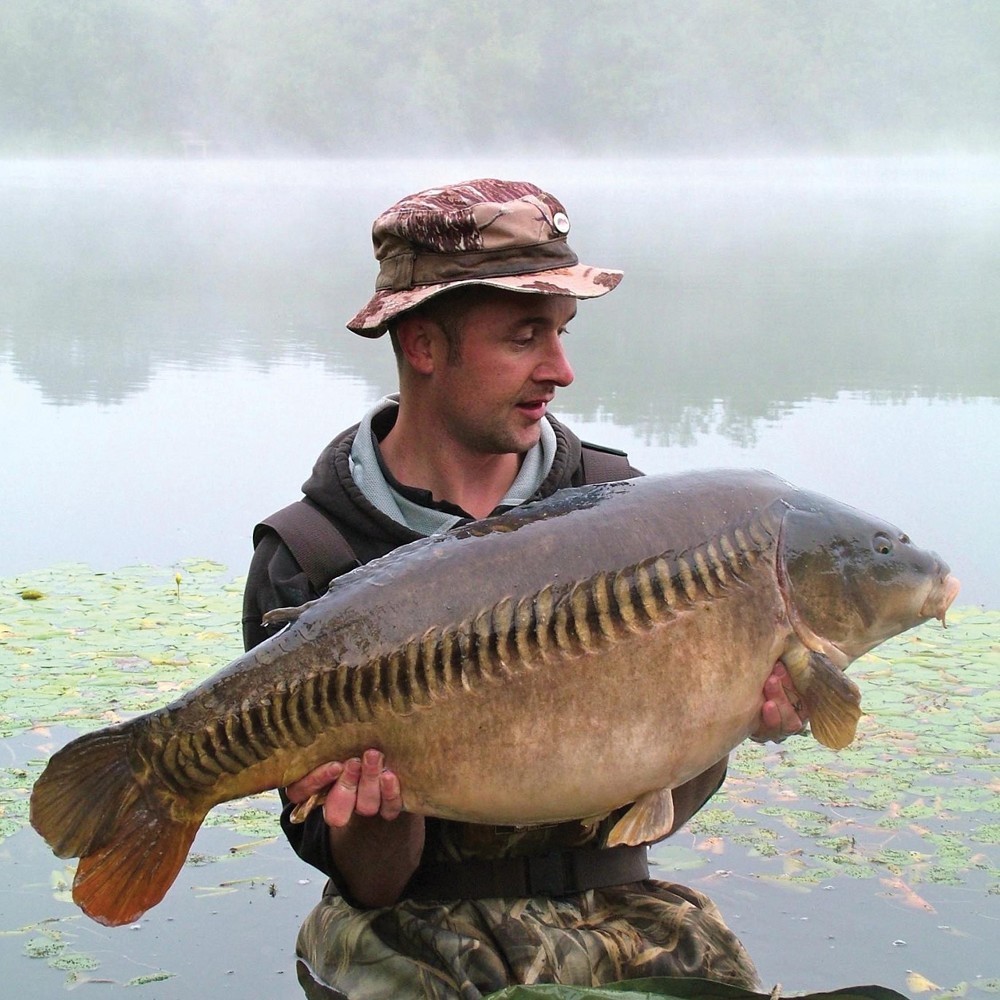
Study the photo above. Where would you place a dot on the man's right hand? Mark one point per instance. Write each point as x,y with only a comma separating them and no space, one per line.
360,785
375,845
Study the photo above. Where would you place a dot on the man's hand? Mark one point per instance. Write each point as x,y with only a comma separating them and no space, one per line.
374,844
782,713
360,785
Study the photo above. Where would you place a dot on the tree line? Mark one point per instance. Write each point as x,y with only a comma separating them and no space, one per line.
412,77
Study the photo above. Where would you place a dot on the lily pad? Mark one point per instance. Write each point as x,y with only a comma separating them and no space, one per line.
917,789
913,798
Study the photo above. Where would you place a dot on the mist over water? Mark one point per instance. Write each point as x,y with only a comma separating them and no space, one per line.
174,358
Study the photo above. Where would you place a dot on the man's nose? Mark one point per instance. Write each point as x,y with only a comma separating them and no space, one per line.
555,367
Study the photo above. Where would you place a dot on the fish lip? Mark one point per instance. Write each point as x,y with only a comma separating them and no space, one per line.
941,597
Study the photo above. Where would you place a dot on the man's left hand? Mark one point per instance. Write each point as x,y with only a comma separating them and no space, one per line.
782,713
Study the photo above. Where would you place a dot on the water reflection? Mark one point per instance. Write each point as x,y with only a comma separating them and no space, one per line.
172,359
750,285
758,291
173,356
114,270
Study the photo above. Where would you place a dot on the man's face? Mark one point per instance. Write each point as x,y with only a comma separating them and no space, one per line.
492,398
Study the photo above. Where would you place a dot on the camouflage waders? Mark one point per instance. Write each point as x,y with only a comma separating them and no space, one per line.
470,948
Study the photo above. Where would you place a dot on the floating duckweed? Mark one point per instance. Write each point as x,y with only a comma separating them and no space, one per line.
669,858
101,647
988,833
72,961
922,771
713,822
758,846
942,876
153,977
895,861
248,820
44,947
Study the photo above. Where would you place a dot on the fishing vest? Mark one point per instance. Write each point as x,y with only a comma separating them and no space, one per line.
323,553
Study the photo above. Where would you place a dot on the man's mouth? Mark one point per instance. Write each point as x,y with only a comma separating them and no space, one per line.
533,408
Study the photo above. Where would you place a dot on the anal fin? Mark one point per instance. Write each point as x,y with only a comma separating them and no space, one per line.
650,818
301,811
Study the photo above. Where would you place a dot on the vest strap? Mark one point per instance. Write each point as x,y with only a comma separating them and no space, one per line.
559,873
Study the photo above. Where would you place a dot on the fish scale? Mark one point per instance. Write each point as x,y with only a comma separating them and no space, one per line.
598,611
497,664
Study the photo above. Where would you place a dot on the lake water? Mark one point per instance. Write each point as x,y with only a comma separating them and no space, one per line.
173,356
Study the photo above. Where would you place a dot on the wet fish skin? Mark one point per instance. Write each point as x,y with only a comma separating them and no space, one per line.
512,674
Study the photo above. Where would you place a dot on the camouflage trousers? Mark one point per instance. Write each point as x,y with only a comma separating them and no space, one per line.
466,949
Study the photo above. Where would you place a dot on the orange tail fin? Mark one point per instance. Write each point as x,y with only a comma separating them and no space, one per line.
131,841
118,883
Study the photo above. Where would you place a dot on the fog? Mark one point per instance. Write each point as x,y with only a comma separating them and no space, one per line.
412,77
116,270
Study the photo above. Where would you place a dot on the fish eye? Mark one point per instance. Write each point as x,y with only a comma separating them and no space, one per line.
882,543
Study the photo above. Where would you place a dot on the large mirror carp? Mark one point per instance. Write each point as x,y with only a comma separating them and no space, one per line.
595,649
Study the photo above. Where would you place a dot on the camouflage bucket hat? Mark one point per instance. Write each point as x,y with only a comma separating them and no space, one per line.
507,234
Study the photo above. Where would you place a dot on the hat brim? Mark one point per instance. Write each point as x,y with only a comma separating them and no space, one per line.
578,281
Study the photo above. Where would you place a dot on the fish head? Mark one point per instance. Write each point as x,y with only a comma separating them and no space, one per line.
851,581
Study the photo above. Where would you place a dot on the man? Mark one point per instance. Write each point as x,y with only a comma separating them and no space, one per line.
477,284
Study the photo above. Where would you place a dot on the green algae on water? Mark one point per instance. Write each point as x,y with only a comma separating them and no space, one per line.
915,794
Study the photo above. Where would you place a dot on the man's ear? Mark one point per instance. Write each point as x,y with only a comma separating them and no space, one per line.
420,342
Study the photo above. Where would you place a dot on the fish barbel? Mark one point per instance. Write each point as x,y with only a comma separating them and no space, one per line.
586,652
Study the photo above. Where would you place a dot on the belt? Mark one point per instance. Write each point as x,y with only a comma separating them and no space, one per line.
560,873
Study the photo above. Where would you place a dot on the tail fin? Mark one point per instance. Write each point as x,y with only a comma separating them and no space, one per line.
88,785
118,883
131,843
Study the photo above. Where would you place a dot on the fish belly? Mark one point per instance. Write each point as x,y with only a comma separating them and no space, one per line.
579,736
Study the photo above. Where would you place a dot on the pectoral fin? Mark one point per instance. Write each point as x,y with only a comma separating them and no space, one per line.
301,812
282,616
650,818
832,698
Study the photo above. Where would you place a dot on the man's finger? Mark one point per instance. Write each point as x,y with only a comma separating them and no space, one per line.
315,781
369,798
392,796
342,798
770,721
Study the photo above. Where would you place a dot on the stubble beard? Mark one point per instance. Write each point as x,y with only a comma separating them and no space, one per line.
501,438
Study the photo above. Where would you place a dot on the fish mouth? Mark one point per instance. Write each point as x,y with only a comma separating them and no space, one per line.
940,598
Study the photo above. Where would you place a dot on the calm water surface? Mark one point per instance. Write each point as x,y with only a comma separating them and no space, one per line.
173,358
